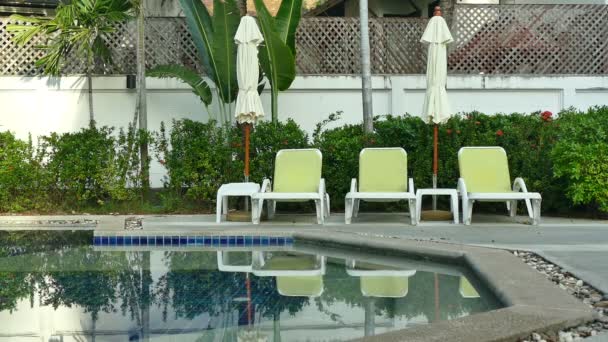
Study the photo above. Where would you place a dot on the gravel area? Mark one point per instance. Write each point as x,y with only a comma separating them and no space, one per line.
576,287
134,223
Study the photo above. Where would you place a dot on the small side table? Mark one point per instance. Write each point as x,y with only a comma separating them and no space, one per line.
441,192
232,189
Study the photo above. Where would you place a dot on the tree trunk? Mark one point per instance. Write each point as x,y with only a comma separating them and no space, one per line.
142,107
242,5
90,97
274,102
366,74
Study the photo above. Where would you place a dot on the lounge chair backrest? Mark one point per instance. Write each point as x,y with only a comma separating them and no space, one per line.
484,169
384,286
297,170
300,286
383,170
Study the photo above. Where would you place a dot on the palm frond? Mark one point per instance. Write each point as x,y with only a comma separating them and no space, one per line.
186,75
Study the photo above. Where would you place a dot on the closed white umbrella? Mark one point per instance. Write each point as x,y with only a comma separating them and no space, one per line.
248,104
437,36
436,106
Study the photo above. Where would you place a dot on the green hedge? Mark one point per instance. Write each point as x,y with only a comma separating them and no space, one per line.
565,157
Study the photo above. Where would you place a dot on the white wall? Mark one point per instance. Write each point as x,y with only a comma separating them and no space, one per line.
40,105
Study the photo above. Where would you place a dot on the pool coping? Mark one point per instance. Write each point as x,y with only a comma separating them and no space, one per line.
533,303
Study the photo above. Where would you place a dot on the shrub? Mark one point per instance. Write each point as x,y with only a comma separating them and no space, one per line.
198,158
93,166
580,156
23,179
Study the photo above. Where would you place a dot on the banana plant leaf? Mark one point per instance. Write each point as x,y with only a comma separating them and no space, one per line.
276,58
287,21
199,87
214,40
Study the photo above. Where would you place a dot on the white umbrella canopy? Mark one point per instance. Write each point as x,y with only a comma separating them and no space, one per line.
248,104
436,105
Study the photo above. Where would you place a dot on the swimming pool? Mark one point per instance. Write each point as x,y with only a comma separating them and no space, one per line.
58,287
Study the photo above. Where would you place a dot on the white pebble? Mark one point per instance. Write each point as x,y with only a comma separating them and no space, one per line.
579,283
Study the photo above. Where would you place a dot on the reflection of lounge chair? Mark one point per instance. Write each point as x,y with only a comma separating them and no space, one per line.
466,289
234,261
297,178
380,282
382,178
297,275
484,176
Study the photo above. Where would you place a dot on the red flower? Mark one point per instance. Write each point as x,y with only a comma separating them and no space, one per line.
500,133
448,131
477,123
546,115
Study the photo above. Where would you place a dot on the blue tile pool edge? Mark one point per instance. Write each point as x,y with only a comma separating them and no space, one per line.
154,240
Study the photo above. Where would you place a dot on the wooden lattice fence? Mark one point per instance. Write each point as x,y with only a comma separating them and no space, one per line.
490,39
530,39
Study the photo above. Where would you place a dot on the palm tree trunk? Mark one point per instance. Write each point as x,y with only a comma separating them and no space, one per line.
142,107
242,5
90,97
366,74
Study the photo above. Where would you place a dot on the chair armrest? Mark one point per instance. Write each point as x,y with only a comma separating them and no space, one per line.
462,189
410,186
519,185
353,185
266,185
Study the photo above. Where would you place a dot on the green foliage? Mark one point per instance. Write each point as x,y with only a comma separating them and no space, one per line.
214,40
198,158
23,179
277,55
78,29
93,165
581,156
200,88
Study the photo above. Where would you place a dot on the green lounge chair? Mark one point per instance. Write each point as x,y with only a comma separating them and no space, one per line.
235,261
378,282
297,178
484,176
297,275
466,289
382,177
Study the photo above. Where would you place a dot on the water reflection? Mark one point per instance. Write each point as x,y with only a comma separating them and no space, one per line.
58,288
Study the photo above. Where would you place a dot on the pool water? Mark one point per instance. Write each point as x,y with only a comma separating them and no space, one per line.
56,287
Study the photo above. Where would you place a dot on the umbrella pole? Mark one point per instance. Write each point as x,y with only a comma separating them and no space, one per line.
247,138
435,162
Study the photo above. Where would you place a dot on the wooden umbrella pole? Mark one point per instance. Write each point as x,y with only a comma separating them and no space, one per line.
247,134
435,161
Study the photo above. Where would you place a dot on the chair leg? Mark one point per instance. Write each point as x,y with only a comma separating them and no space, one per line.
418,208
327,206
319,205
529,207
536,209
467,212
455,209
225,204
218,208
413,212
356,207
256,210
348,210
512,205
272,207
